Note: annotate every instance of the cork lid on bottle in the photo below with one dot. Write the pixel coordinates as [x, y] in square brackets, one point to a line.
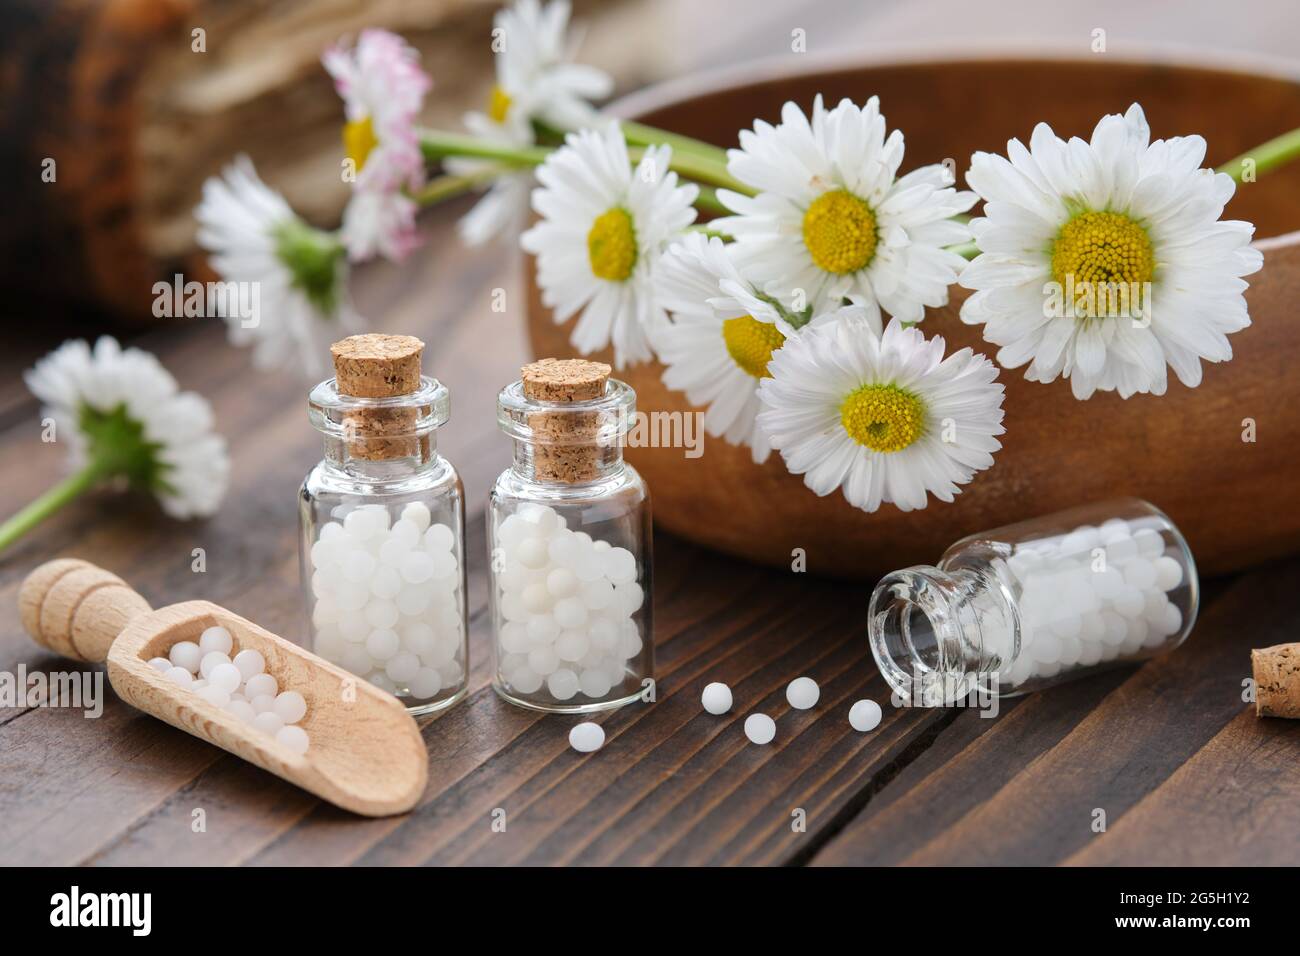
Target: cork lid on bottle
[570, 414]
[392, 415]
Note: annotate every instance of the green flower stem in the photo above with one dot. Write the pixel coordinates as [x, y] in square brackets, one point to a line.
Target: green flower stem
[438, 145]
[1276, 152]
[54, 499]
[443, 188]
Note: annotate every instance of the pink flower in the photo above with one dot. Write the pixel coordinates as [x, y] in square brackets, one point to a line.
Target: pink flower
[383, 90]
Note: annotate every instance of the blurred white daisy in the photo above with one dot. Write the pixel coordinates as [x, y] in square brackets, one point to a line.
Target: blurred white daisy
[299, 273]
[603, 229]
[721, 336]
[536, 80]
[1105, 261]
[536, 76]
[886, 418]
[830, 220]
[383, 89]
[123, 419]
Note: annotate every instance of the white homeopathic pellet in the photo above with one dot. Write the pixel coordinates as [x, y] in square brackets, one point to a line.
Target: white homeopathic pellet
[864, 715]
[587, 737]
[760, 728]
[716, 698]
[216, 639]
[803, 693]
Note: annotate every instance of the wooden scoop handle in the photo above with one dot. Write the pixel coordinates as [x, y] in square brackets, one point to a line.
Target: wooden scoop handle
[76, 609]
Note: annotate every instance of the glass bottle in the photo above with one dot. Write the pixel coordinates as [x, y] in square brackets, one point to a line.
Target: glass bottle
[382, 545]
[570, 540]
[1034, 604]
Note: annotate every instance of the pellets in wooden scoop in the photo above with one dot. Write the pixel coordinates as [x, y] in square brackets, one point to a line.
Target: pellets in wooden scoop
[240, 686]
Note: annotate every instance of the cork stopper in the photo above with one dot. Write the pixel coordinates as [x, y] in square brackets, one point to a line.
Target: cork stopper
[566, 446]
[1276, 671]
[380, 366]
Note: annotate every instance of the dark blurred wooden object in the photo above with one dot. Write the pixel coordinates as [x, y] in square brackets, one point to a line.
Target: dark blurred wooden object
[136, 113]
[1238, 502]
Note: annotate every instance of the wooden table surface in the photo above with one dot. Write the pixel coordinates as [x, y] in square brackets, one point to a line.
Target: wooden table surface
[1181, 767]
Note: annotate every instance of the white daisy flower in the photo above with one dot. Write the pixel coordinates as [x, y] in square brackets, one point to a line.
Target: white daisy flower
[536, 79]
[831, 221]
[887, 418]
[123, 419]
[603, 229]
[383, 89]
[1105, 261]
[536, 76]
[299, 273]
[720, 340]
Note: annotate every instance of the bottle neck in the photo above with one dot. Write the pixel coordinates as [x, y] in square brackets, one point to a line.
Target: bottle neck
[353, 459]
[938, 634]
[566, 464]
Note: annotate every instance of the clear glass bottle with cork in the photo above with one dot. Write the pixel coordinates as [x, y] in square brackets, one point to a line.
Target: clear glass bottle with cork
[1024, 607]
[382, 526]
[569, 539]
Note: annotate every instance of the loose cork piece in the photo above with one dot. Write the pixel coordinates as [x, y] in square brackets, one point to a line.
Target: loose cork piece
[566, 448]
[380, 366]
[1276, 671]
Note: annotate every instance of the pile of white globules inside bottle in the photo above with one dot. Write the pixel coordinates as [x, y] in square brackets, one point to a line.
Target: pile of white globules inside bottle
[388, 603]
[1022, 607]
[237, 684]
[568, 604]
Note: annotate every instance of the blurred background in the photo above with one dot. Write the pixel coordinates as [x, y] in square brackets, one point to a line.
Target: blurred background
[136, 116]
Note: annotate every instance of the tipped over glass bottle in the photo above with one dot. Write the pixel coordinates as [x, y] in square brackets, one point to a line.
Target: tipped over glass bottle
[382, 527]
[569, 539]
[1034, 604]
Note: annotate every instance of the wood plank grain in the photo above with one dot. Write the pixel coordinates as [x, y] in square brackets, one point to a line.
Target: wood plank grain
[1236, 803]
[1023, 790]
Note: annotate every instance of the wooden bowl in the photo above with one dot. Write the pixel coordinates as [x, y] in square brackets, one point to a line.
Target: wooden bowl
[1238, 502]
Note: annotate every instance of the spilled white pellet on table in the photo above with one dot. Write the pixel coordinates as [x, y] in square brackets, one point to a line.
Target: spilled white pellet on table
[587, 737]
[760, 728]
[864, 715]
[803, 693]
[716, 698]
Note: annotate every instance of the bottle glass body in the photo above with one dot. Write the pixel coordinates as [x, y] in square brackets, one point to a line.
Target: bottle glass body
[571, 566]
[382, 547]
[1036, 603]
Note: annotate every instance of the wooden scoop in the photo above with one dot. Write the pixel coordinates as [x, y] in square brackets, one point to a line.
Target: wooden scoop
[366, 754]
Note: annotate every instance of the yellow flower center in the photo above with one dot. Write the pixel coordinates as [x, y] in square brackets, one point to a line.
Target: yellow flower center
[750, 343]
[1097, 248]
[499, 105]
[358, 140]
[884, 418]
[839, 230]
[611, 245]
